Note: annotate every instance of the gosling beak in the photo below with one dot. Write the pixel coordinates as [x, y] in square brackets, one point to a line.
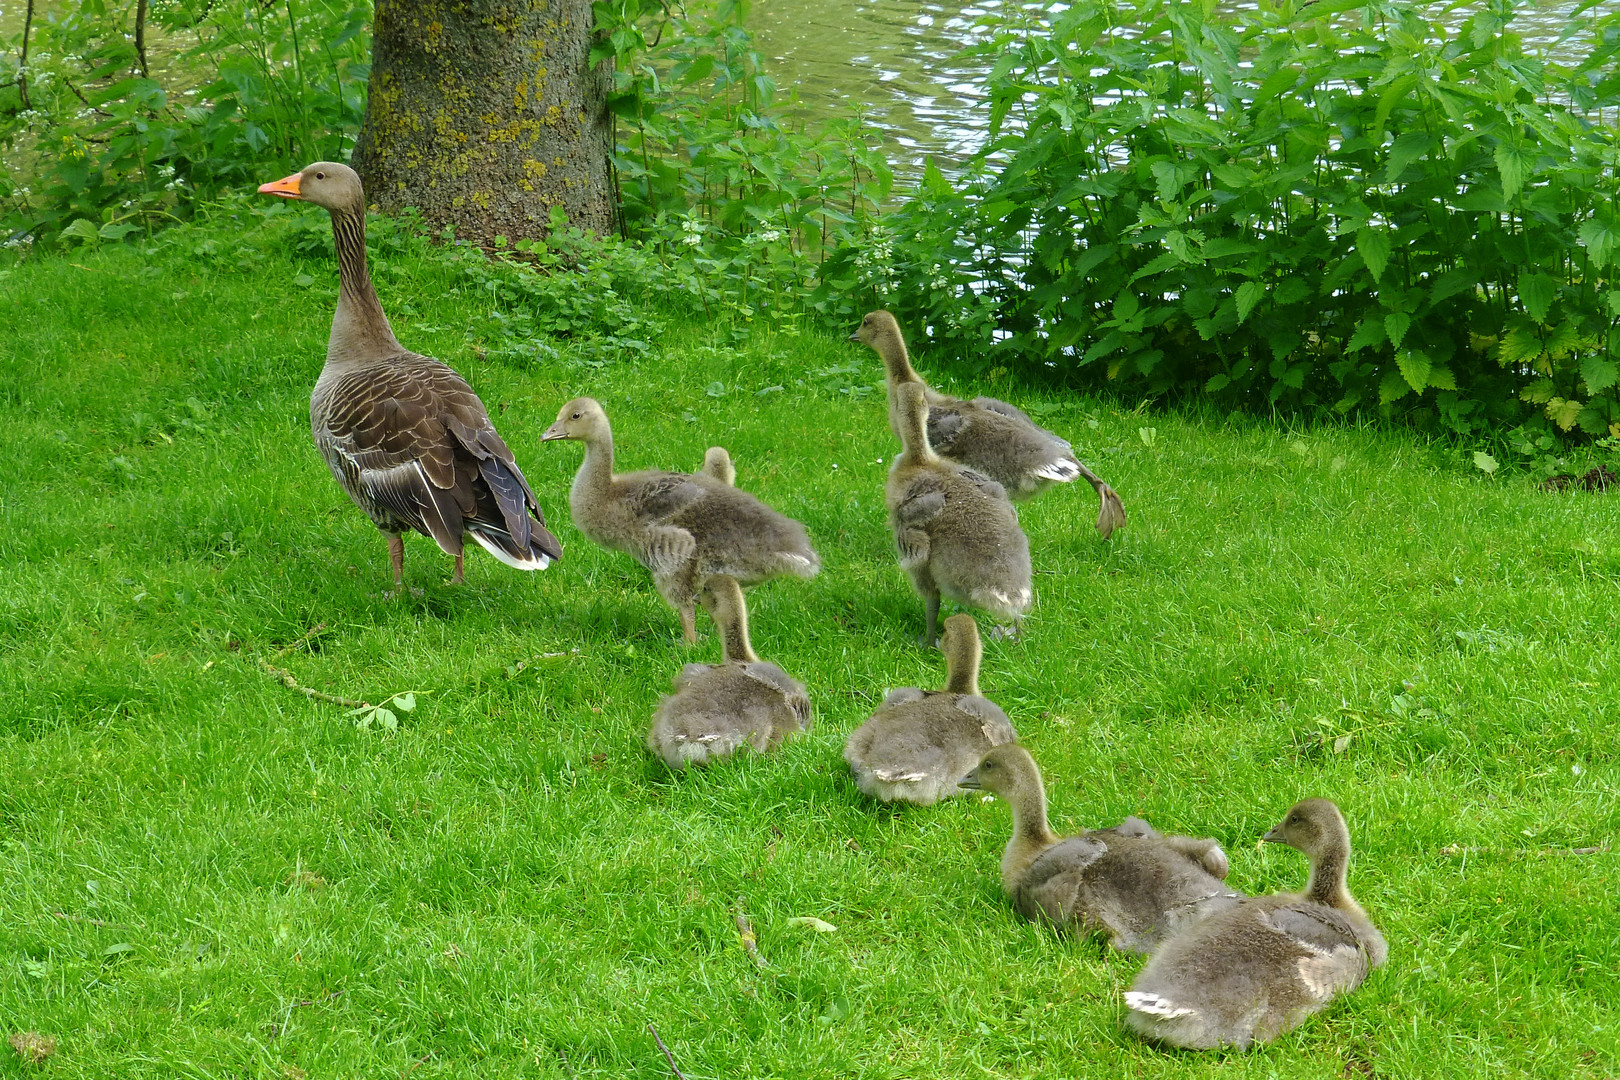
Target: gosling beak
[970, 781]
[855, 337]
[286, 187]
[1273, 836]
[553, 433]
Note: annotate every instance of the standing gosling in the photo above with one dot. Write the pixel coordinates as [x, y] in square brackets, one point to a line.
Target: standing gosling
[956, 533]
[919, 743]
[1259, 969]
[719, 708]
[684, 527]
[1129, 881]
[991, 436]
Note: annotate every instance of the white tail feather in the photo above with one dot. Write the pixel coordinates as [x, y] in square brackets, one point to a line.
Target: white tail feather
[1153, 1004]
[535, 562]
[1062, 470]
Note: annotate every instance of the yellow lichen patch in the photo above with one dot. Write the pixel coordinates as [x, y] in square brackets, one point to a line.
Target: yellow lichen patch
[482, 200]
[520, 94]
[433, 36]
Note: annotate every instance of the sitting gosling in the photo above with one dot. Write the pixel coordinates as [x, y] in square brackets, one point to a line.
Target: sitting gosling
[717, 709]
[919, 743]
[956, 533]
[991, 436]
[1259, 969]
[1129, 881]
[684, 527]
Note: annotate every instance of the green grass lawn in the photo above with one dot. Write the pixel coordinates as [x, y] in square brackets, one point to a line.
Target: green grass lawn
[204, 873]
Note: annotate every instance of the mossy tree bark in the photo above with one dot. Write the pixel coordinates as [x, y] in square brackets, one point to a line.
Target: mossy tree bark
[485, 114]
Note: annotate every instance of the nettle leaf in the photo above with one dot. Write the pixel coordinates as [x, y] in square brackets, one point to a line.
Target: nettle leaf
[1396, 323]
[1564, 412]
[1564, 339]
[1598, 373]
[1406, 149]
[1539, 392]
[1393, 387]
[1484, 462]
[1537, 292]
[1441, 377]
[1249, 294]
[1520, 345]
[1370, 333]
[1415, 366]
[1515, 165]
[1373, 246]
[1216, 384]
[1601, 242]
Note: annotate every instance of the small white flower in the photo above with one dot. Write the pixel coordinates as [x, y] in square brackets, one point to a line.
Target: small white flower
[770, 236]
[165, 171]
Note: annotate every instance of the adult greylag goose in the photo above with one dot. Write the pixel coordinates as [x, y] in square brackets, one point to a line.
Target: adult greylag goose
[1258, 969]
[956, 533]
[717, 709]
[1129, 882]
[404, 435]
[920, 743]
[985, 434]
[684, 527]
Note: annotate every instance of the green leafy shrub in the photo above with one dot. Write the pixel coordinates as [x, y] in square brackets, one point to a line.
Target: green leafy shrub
[104, 139]
[1341, 205]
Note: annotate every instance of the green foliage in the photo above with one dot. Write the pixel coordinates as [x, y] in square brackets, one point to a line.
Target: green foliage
[107, 140]
[1343, 206]
[711, 166]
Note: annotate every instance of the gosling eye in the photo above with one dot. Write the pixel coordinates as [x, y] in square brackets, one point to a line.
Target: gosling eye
[320, 176]
[576, 416]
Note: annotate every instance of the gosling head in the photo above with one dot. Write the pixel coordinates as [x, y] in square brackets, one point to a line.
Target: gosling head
[1313, 827]
[583, 418]
[1002, 771]
[877, 329]
[327, 184]
[717, 463]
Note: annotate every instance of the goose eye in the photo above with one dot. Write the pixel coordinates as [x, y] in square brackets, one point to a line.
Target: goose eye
[320, 176]
[576, 416]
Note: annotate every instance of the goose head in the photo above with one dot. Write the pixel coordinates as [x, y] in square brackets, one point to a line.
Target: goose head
[583, 419]
[878, 329]
[1314, 827]
[1007, 771]
[327, 184]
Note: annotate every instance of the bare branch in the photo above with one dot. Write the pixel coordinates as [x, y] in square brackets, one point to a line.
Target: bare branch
[669, 1057]
[286, 679]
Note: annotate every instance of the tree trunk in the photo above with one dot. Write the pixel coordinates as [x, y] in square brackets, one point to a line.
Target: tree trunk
[484, 114]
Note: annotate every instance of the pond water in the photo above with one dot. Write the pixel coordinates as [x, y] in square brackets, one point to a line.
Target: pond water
[895, 58]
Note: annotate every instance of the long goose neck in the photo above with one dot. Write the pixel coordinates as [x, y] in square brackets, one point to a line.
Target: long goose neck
[732, 615]
[596, 471]
[1329, 876]
[1030, 826]
[360, 330]
[913, 430]
[962, 670]
[891, 349]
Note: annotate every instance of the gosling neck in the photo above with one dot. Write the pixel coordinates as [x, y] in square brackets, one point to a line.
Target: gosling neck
[360, 330]
[891, 349]
[1032, 834]
[732, 615]
[912, 427]
[596, 471]
[1329, 876]
[962, 669]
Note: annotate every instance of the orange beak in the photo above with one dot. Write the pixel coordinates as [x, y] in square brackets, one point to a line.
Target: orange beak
[286, 187]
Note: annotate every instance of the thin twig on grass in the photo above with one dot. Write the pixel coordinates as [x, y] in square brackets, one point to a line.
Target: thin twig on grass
[1465, 850]
[567, 1067]
[516, 669]
[750, 943]
[303, 639]
[669, 1057]
[417, 1064]
[285, 678]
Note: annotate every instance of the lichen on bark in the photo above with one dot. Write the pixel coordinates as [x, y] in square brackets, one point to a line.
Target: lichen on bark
[486, 114]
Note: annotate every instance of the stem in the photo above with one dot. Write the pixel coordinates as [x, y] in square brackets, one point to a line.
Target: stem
[22, 61]
[140, 36]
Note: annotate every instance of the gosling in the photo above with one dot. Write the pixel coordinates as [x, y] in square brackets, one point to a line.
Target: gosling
[1130, 882]
[1260, 968]
[919, 743]
[718, 709]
